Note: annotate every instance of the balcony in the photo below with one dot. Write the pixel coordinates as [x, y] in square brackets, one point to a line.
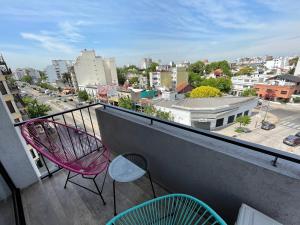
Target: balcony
[221, 171]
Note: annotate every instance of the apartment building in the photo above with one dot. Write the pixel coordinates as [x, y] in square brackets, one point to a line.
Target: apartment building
[279, 88]
[95, 70]
[240, 83]
[169, 79]
[145, 63]
[9, 92]
[57, 69]
[278, 63]
[297, 69]
[21, 72]
[13, 104]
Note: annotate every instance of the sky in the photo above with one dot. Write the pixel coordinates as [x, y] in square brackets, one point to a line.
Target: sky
[33, 32]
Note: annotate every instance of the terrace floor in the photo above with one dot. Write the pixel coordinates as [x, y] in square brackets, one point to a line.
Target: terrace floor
[47, 202]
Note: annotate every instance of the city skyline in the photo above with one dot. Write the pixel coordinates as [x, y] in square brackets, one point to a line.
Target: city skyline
[37, 32]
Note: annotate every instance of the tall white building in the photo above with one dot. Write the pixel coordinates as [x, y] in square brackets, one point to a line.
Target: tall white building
[243, 82]
[278, 63]
[57, 69]
[297, 69]
[95, 70]
[146, 62]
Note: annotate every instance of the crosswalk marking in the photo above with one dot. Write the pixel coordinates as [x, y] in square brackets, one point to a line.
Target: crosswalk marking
[290, 125]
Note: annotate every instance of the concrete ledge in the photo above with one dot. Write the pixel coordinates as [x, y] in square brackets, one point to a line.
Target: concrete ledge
[221, 174]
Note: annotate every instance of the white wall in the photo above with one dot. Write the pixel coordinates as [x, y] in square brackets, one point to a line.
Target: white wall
[179, 116]
[13, 155]
[94, 70]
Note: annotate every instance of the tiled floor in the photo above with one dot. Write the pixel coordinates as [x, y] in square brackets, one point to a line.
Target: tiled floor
[47, 202]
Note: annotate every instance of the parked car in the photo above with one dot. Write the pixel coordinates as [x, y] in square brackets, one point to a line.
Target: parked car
[297, 134]
[291, 140]
[265, 125]
[79, 104]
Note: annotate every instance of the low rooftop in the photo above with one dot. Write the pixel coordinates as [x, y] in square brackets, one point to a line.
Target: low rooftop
[203, 103]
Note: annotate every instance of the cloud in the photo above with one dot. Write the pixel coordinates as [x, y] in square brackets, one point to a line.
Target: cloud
[232, 14]
[71, 31]
[48, 42]
[62, 40]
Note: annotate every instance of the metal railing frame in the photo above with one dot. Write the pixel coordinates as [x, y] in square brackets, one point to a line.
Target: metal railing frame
[277, 154]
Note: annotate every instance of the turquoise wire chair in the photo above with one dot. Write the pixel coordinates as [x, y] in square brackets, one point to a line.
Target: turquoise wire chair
[173, 209]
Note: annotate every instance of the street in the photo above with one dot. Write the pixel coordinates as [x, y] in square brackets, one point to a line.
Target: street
[287, 120]
[59, 106]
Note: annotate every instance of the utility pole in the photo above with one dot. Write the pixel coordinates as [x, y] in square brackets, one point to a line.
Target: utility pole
[267, 111]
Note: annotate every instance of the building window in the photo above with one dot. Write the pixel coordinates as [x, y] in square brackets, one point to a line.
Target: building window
[283, 92]
[220, 122]
[246, 113]
[238, 115]
[2, 88]
[10, 107]
[230, 119]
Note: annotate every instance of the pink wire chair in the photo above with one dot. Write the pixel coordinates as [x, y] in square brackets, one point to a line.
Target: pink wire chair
[70, 148]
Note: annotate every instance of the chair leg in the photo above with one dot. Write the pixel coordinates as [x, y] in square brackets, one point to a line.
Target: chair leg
[154, 196]
[104, 180]
[67, 179]
[104, 203]
[114, 193]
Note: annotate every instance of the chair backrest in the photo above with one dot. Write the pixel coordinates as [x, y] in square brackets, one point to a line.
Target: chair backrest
[173, 209]
[59, 142]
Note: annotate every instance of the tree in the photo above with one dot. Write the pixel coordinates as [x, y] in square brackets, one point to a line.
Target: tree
[243, 120]
[47, 86]
[66, 78]
[291, 71]
[205, 92]
[249, 92]
[83, 95]
[293, 61]
[43, 76]
[223, 65]
[27, 78]
[34, 108]
[223, 84]
[163, 115]
[121, 76]
[195, 79]
[247, 70]
[152, 67]
[134, 80]
[151, 111]
[126, 102]
[197, 67]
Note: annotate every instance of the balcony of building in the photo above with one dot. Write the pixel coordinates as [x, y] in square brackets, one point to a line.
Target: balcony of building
[221, 171]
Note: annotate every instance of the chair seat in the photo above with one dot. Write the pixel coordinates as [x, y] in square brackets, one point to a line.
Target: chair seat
[91, 164]
[123, 170]
[67, 146]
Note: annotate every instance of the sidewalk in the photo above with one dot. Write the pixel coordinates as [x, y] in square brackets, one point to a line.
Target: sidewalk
[256, 118]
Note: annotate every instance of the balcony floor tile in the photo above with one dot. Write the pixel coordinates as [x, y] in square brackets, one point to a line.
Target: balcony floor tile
[47, 202]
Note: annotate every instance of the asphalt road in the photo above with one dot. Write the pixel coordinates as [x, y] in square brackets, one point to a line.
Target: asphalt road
[288, 124]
